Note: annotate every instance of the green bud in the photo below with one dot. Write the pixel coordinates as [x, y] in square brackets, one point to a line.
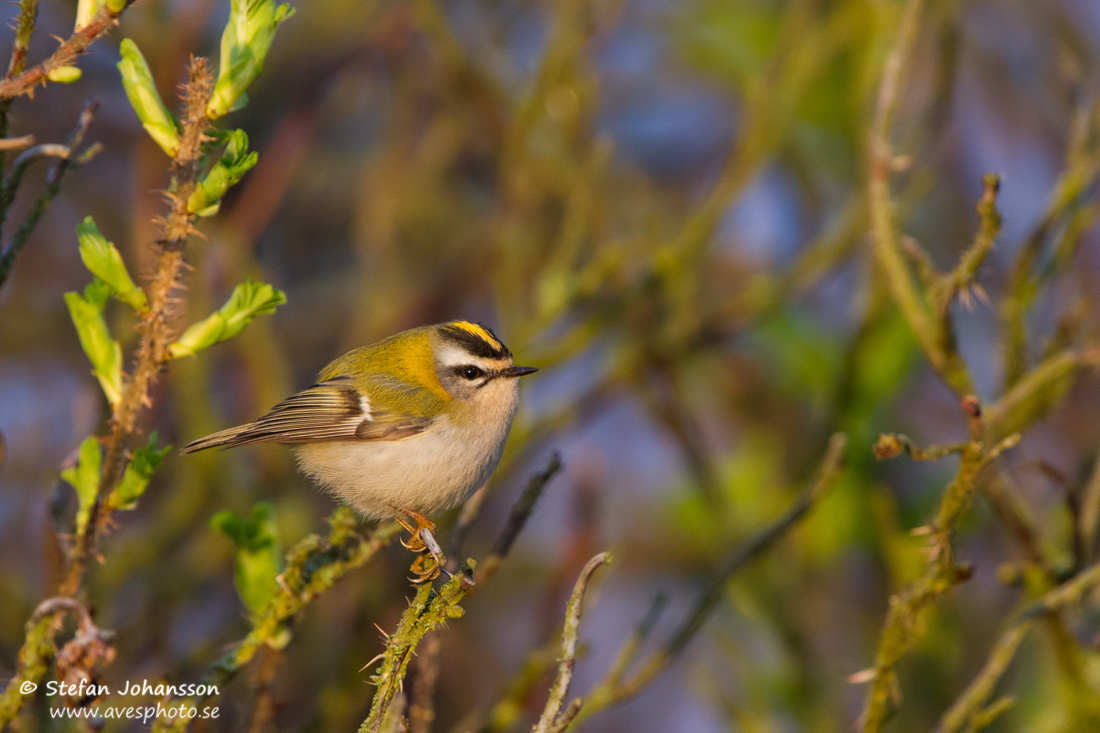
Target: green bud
[105, 262]
[249, 299]
[245, 42]
[102, 351]
[85, 11]
[84, 477]
[259, 557]
[233, 164]
[64, 74]
[137, 475]
[137, 80]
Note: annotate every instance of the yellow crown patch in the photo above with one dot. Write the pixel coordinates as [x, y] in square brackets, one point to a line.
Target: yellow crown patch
[481, 332]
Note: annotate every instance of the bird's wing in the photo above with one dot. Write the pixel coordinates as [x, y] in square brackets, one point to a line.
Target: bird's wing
[329, 410]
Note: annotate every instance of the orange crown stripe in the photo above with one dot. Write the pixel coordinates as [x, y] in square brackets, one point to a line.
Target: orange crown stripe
[480, 332]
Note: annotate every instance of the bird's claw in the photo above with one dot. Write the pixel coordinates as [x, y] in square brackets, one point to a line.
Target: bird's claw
[431, 562]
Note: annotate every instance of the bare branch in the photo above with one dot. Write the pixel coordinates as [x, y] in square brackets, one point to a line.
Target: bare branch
[552, 719]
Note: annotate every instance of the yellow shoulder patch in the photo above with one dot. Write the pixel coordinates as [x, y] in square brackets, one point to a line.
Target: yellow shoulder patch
[480, 332]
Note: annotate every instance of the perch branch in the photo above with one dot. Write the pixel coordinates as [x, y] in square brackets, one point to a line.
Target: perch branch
[313, 566]
[427, 611]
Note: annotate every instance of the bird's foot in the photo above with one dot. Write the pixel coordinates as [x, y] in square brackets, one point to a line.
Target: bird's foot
[431, 562]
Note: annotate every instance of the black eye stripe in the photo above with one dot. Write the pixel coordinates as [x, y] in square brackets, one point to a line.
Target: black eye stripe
[469, 371]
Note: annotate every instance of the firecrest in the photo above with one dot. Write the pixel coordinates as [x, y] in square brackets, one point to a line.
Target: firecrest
[403, 428]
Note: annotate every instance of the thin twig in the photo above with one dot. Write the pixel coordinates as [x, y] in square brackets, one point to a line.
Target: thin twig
[970, 703]
[551, 719]
[16, 143]
[1037, 392]
[517, 518]
[67, 160]
[24, 29]
[935, 340]
[960, 280]
[64, 55]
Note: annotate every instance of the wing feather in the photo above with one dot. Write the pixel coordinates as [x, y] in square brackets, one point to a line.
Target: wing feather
[329, 410]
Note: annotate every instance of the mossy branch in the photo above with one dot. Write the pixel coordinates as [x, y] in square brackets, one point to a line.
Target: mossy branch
[936, 340]
[313, 565]
[39, 648]
[428, 610]
[970, 710]
[553, 718]
[904, 625]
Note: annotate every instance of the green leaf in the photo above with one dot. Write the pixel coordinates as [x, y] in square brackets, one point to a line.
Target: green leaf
[259, 556]
[105, 262]
[245, 42]
[137, 80]
[233, 164]
[64, 74]
[102, 351]
[85, 11]
[84, 477]
[137, 475]
[249, 299]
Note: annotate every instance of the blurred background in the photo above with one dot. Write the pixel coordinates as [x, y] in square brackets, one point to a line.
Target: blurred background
[662, 205]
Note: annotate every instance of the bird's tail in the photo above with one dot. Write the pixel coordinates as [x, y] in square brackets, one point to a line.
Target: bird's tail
[228, 438]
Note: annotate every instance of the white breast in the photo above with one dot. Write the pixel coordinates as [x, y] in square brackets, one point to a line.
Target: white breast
[427, 473]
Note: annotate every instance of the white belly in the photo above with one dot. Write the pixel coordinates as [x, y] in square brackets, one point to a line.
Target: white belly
[427, 473]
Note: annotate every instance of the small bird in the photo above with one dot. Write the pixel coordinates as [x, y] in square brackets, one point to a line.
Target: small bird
[403, 428]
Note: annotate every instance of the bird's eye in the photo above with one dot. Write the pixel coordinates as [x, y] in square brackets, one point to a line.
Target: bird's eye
[471, 372]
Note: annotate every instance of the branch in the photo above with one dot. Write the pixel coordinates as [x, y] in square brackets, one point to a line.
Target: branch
[39, 647]
[312, 567]
[421, 708]
[68, 160]
[427, 611]
[960, 280]
[517, 518]
[1038, 391]
[971, 703]
[155, 327]
[935, 340]
[908, 607]
[552, 719]
[64, 55]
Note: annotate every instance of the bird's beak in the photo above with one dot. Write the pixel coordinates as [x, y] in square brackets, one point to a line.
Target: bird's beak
[517, 371]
